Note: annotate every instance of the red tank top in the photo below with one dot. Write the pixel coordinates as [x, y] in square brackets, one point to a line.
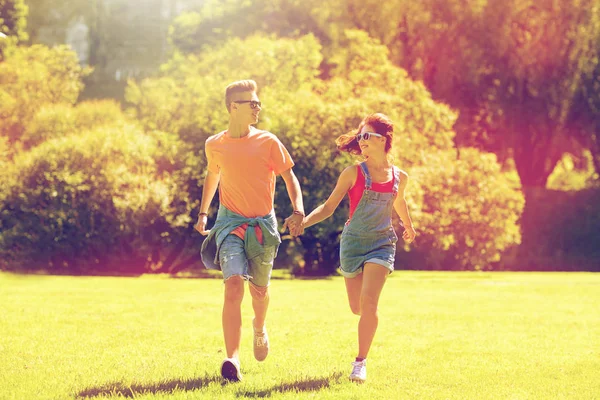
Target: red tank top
[356, 191]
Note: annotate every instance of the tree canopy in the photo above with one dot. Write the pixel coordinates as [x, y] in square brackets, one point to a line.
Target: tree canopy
[13, 23]
[493, 102]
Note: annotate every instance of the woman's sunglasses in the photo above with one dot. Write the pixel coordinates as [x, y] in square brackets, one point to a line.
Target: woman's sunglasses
[366, 136]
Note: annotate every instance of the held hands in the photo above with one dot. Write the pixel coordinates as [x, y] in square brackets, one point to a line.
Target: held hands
[409, 234]
[201, 225]
[295, 224]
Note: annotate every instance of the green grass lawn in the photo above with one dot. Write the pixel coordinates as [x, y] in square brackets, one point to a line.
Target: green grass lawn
[441, 335]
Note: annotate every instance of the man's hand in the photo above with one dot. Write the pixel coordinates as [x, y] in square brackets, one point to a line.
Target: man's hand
[201, 225]
[295, 224]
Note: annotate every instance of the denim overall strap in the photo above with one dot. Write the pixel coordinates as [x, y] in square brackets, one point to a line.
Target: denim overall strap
[372, 216]
[363, 166]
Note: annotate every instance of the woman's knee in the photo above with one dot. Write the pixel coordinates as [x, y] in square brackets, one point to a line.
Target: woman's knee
[368, 304]
[355, 307]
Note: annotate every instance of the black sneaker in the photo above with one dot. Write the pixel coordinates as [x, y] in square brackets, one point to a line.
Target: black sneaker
[230, 370]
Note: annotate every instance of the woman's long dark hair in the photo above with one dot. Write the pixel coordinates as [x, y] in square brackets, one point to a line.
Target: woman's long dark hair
[380, 123]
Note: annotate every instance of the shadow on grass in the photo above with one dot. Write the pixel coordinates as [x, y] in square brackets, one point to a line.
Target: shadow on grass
[308, 385]
[277, 274]
[119, 389]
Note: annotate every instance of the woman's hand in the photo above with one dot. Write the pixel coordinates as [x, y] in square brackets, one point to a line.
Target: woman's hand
[295, 224]
[409, 234]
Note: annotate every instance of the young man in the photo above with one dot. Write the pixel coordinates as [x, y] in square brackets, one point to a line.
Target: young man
[243, 163]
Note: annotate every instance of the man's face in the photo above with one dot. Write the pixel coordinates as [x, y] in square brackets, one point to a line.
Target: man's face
[245, 107]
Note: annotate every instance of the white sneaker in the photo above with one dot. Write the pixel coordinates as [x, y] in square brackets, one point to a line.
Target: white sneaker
[261, 344]
[359, 371]
[230, 370]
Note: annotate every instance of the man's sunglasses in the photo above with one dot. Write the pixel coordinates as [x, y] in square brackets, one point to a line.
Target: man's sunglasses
[253, 104]
[366, 136]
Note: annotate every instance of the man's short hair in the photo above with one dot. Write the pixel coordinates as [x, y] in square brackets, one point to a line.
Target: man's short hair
[247, 85]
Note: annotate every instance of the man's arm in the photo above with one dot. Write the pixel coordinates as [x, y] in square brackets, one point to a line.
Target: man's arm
[294, 221]
[211, 183]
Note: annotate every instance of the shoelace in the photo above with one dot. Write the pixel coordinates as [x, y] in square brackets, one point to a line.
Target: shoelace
[358, 365]
[261, 341]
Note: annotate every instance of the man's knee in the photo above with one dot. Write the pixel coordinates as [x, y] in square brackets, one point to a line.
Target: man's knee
[234, 289]
[259, 292]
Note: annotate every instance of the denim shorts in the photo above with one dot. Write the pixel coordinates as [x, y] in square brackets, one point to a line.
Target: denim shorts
[233, 261]
[357, 249]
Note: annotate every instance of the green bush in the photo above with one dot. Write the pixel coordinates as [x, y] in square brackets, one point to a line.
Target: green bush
[466, 210]
[59, 120]
[101, 200]
[33, 77]
[563, 231]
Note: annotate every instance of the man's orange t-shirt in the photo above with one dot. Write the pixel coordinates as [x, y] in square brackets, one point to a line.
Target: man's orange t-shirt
[248, 167]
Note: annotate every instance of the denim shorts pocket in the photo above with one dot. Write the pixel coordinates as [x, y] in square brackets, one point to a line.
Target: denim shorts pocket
[261, 267]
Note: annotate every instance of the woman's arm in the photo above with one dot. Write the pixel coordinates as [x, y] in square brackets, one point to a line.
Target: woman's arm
[325, 210]
[402, 209]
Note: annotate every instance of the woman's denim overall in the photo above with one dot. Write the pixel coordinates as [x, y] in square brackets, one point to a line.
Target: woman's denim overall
[369, 236]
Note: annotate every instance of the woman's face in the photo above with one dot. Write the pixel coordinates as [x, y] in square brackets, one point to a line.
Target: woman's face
[370, 142]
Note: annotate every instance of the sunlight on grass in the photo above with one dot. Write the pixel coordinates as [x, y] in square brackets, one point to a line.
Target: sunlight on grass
[441, 335]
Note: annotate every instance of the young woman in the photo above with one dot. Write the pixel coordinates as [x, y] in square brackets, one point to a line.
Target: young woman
[368, 243]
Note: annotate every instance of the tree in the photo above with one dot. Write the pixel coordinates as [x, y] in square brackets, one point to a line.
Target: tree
[586, 113]
[307, 113]
[218, 20]
[188, 99]
[465, 208]
[522, 74]
[101, 200]
[511, 68]
[13, 21]
[33, 77]
[53, 14]
[539, 56]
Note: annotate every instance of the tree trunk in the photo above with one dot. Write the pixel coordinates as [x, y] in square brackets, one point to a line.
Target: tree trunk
[536, 152]
[97, 35]
[530, 254]
[594, 146]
